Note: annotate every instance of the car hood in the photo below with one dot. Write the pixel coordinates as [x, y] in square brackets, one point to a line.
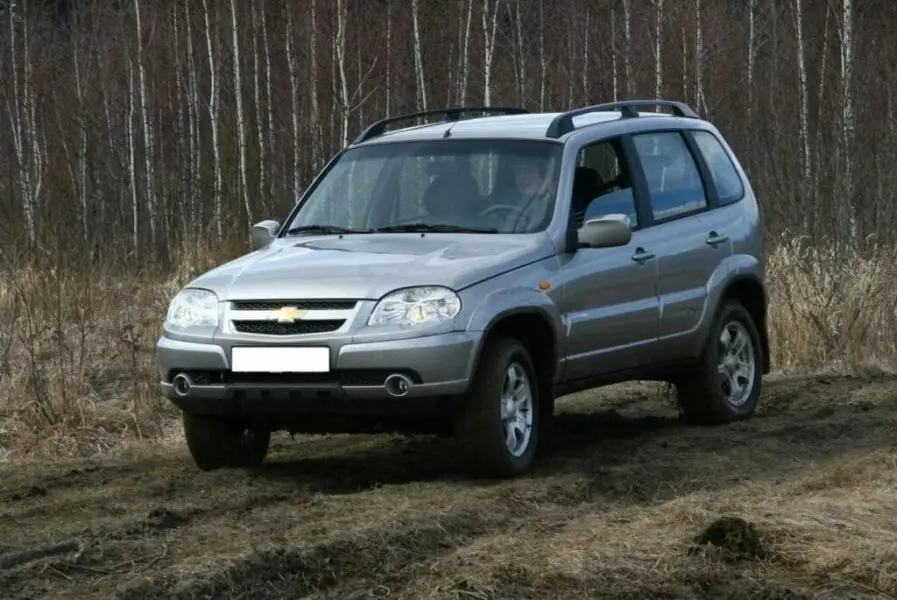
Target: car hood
[362, 266]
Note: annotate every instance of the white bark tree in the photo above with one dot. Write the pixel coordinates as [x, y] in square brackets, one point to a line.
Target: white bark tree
[490, 26]
[148, 143]
[214, 97]
[241, 123]
[418, 57]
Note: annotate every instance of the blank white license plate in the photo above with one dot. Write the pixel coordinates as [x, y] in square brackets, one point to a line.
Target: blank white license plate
[280, 360]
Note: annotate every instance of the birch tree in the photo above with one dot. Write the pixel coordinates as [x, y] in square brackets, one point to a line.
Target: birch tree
[418, 57]
[803, 121]
[294, 97]
[23, 122]
[490, 25]
[658, 49]
[214, 95]
[148, 145]
[241, 124]
[847, 125]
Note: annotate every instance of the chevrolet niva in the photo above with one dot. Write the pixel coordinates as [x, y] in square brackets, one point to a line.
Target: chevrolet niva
[455, 277]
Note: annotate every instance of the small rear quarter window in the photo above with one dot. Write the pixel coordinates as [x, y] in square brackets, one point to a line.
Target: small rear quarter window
[729, 187]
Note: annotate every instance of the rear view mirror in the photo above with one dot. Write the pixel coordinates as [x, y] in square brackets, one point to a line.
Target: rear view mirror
[605, 232]
[263, 233]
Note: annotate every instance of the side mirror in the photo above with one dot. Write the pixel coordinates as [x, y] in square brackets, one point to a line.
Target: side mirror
[263, 232]
[605, 232]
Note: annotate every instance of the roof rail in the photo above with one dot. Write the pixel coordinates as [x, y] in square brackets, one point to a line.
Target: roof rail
[450, 114]
[563, 123]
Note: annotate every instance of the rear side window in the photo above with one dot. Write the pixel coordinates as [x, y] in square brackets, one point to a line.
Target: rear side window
[729, 187]
[674, 181]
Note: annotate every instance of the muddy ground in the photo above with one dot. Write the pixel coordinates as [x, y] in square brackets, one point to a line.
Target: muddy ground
[800, 502]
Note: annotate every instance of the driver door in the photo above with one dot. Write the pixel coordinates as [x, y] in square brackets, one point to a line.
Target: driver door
[610, 301]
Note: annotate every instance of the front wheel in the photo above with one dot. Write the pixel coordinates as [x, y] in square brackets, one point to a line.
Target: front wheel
[215, 443]
[499, 422]
[726, 384]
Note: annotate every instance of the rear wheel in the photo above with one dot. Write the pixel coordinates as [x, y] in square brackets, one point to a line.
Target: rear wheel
[216, 443]
[726, 384]
[499, 423]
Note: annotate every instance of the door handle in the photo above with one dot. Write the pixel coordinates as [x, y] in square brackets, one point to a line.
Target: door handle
[715, 239]
[642, 256]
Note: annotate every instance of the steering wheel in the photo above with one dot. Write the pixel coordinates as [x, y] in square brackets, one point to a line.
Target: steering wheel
[514, 210]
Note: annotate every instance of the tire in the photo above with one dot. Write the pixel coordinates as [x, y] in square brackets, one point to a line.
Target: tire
[216, 443]
[703, 394]
[479, 426]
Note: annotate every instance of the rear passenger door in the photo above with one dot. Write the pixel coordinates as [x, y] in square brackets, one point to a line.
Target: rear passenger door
[685, 237]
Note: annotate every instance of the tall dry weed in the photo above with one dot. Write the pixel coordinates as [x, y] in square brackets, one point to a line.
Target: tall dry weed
[77, 339]
[831, 307]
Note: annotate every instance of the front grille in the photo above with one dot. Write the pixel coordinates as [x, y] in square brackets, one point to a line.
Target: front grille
[300, 304]
[297, 328]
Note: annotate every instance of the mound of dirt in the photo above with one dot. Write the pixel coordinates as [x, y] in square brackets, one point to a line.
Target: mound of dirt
[734, 537]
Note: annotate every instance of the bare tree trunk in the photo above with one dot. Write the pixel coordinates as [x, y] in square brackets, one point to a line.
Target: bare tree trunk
[627, 51]
[254, 8]
[132, 160]
[294, 98]
[418, 58]
[820, 98]
[241, 123]
[521, 55]
[543, 59]
[847, 124]
[22, 117]
[465, 55]
[490, 17]
[388, 58]
[342, 17]
[81, 81]
[181, 98]
[213, 116]
[751, 56]
[195, 119]
[317, 141]
[585, 58]
[700, 101]
[803, 130]
[613, 54]
[658, 49]
[148, 145]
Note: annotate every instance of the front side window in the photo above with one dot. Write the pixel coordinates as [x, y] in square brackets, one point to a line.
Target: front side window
[674, 182]
[495, 186]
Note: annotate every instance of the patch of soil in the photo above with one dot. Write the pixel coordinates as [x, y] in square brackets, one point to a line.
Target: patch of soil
[735, 537]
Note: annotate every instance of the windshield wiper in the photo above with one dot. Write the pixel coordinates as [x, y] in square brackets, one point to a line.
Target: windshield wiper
[325, 229]
[434, 228]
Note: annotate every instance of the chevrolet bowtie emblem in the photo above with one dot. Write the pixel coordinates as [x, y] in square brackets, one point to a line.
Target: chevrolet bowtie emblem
[290, 314]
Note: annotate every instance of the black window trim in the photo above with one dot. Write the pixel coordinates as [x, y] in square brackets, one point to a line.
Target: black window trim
[643, 197]
[696, 150]
[622, 152]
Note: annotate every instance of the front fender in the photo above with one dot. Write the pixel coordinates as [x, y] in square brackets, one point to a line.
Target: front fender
[506, 302]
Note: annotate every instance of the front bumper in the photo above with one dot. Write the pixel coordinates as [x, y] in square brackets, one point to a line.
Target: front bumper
[440, 367]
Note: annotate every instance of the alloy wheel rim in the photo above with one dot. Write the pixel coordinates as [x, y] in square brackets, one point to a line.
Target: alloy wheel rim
[737, 364]
[516, 409]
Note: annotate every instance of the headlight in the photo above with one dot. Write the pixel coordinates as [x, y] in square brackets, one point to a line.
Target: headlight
[416, 306]
[193, 307]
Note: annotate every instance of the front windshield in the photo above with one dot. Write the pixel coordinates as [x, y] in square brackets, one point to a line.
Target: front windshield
[489, 186]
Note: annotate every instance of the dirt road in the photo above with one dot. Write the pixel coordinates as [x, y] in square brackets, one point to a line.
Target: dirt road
[613, 511]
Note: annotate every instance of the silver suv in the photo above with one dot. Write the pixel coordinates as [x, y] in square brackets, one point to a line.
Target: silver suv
[456, 277]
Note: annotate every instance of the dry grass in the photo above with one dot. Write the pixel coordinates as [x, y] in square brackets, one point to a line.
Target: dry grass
[76, 344]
